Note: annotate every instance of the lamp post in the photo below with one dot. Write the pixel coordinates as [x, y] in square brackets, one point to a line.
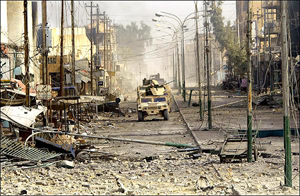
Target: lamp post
[181, 23]
[175, 30]
[165, 63]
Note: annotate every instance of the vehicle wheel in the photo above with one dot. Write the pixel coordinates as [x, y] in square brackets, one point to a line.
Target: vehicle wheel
[82, 156]
[140, 116]
[166, 115]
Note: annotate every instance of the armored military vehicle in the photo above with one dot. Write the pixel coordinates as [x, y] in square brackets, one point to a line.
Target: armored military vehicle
[153, 99]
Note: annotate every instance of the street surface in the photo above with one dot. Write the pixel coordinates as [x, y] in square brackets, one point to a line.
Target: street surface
[143, 169]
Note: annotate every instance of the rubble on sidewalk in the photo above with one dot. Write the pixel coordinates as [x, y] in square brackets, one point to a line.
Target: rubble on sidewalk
[66, 164]
[267, 100]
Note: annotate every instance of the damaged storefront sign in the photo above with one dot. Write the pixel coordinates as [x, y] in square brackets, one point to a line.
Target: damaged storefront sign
[43, 92]
[20, 115]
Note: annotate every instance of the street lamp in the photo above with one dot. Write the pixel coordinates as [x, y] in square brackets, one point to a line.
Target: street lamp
[176, 73]
[158, 15]
[166, 22]
[181, 23]
[170, 44]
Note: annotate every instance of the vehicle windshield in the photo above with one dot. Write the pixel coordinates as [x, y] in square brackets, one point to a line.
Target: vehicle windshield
[160, 99]
[145, 100]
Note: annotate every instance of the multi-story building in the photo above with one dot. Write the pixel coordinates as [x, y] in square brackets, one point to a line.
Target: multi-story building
[265, 39]
[103, 53]
[12, 39]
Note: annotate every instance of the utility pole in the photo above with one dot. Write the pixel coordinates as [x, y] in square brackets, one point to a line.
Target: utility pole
[62, 50]
[110, 56]
[26, 60]
[249, 75]
[286, 97]
[178, 65]
[183, 64]
[271, 64]
[44, 21]
[107, 39]
[73, 43]
[45, 52]
[204, 67]
[258, 41]
[211, 62]
[110, 46]
[174, 68]
[97, 59]
[91, 40]
[104, 45]
[198, 63]
[265, 47]
[97, 48]
[207, 50]
[92, 35]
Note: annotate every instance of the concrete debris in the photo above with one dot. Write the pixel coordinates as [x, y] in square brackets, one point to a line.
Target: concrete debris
[203, 184]
[104, 164]
[269, 100]
[66, 164]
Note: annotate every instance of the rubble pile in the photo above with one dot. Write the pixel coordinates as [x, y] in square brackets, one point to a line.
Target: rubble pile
[175, 173]
[98, 159]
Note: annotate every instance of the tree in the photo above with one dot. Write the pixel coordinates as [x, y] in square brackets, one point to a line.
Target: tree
[132, 40]
[225, 35]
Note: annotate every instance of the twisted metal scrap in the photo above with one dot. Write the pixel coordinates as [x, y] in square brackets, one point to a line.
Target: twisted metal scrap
[16, 149]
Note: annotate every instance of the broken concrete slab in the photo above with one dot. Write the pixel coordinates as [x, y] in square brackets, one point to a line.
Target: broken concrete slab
[203, 184]
[66, 164]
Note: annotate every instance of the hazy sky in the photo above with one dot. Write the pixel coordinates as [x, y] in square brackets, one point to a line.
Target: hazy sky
[129, 11]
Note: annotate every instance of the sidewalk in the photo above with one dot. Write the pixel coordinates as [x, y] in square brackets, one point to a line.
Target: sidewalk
[260, 177]
[232, 117]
